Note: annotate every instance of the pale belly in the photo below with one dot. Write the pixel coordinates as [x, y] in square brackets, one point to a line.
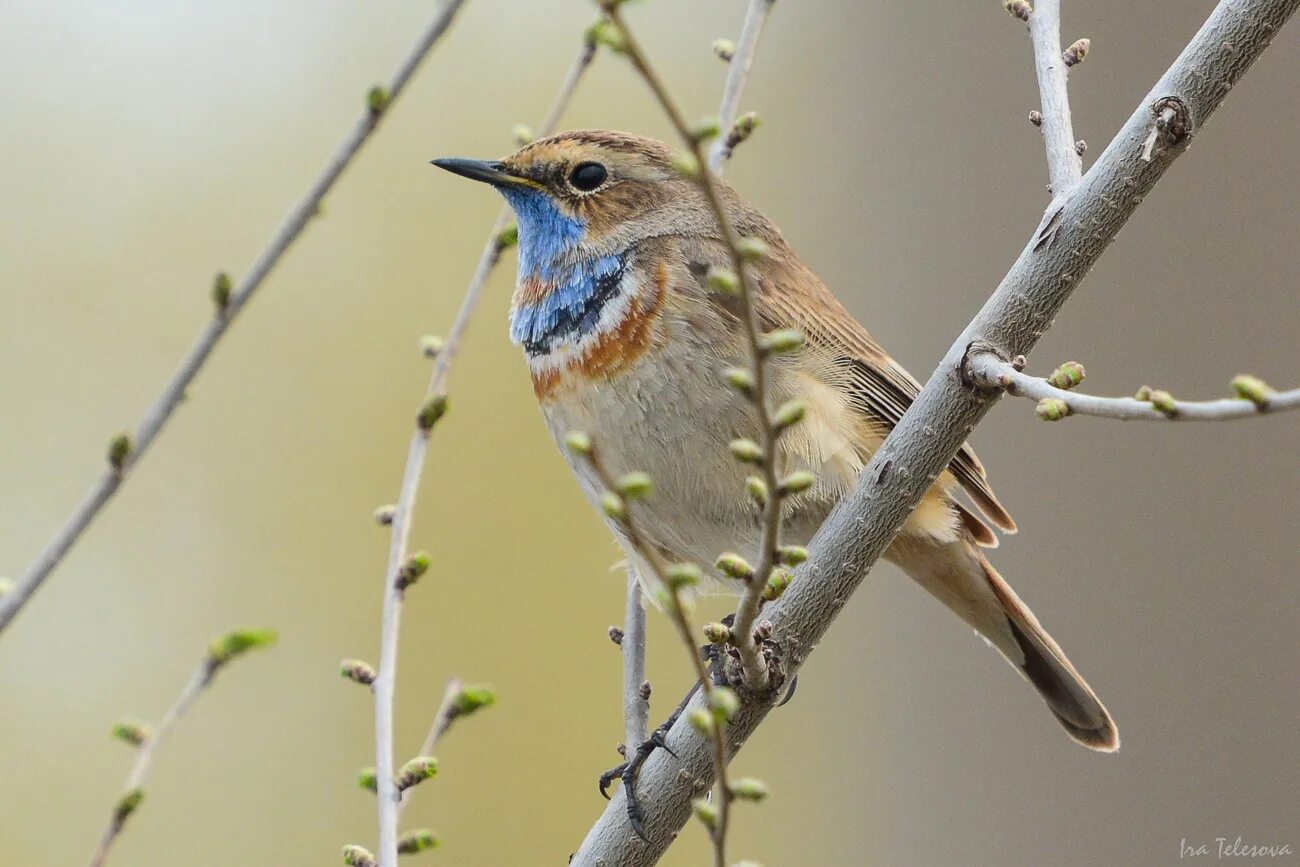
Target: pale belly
[672, 417]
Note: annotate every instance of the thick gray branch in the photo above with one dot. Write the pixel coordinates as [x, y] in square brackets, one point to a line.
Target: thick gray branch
[1071, 238]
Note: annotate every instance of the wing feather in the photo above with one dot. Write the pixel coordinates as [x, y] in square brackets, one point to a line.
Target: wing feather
[789, 295]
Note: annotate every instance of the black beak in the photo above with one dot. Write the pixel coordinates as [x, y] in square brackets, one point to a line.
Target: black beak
[487, 171]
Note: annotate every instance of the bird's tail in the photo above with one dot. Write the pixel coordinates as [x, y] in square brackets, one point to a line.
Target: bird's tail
[960, 577]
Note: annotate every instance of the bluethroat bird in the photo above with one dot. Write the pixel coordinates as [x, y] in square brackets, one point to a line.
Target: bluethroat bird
[626, 341]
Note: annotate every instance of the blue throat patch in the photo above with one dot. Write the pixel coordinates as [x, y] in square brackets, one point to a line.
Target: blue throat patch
[578, 292]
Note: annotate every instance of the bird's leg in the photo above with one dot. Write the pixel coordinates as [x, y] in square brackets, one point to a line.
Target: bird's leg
[627, 771]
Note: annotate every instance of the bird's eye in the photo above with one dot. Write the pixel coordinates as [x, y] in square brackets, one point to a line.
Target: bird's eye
[587, 176]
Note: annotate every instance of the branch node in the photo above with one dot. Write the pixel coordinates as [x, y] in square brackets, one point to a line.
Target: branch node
[1171, 124]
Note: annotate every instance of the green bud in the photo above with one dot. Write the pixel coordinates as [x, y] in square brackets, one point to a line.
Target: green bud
[722, 280]
[635, 486]
[433, 409]
[508, 237]
[746, 451]
[1252, 388]
[413, 842]
[613, 506]
[384, 515]
[752, 249]
[377, 99]
[682, 575]
[717, 633]
[366, 779]
[1067, 376]
[471, 698]
[790, 413]
[724, 48]
[1163, 401]
[6, 584]
[757, 489]
[743, 128]
[705, 812]
[358, 671]
[416, 771]
[237, 643]
[1143, 393]
[126, 805]
[413, 569]
[685, 164]
[356, 856]
[734, 566]
[1051, 409]
[796, 483]
[782, 342]
[777, 583]
[221, 289]
[119, 449]
[749, 789]
[701, 720]
[431, 345]
[131, 731]
[522, 133]
[724, 703]
[792, 555]
[741, 379]
[707, 129]
[578, 442]
[605, 33]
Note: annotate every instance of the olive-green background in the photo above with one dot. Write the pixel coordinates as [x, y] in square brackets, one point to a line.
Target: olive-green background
[147, 145]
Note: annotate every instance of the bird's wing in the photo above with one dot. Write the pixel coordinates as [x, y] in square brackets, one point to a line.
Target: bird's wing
[789, 295]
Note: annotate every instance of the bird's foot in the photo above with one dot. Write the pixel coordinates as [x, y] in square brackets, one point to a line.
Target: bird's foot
[628, 770]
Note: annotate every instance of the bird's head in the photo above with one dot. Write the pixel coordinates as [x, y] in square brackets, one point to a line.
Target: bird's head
[589, 193]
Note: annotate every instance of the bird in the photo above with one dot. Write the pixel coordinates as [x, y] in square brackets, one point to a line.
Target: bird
[626, 340]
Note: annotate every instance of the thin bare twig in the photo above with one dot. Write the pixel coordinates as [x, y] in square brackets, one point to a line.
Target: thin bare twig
[219, 655]
[635, 708]
[156, 417]
[1063, 163]
[636, 705]
[458, 700]
[388, 796]
[989, 371]
[737, 78]
[621, 512]
[754, 672]
[940, 420]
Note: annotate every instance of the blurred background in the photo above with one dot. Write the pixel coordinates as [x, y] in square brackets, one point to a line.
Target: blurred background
[148, 145]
